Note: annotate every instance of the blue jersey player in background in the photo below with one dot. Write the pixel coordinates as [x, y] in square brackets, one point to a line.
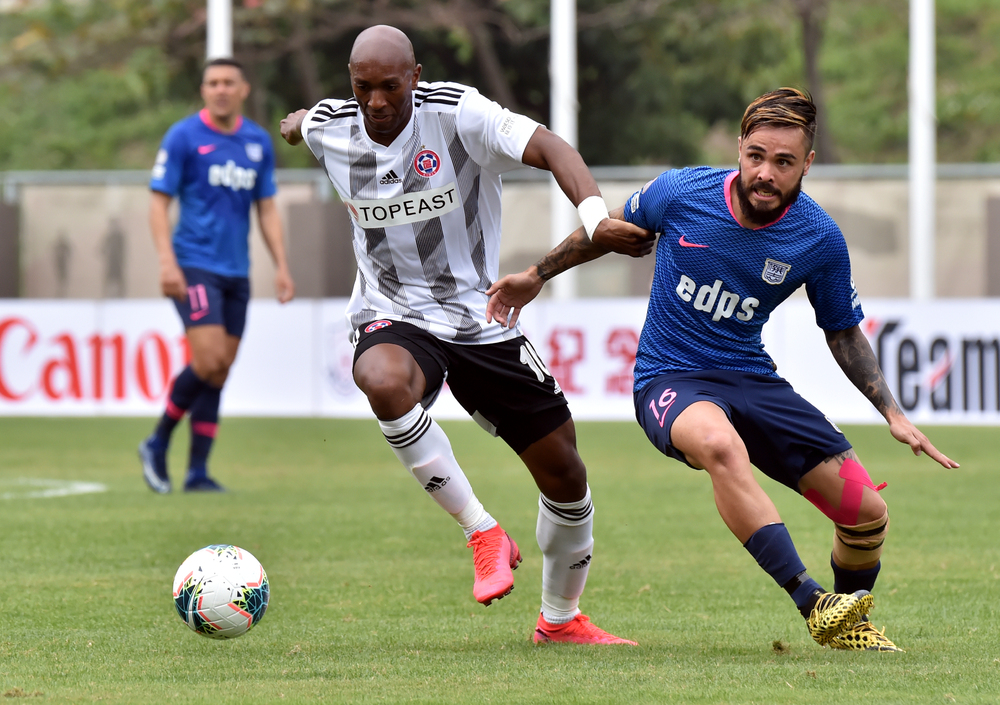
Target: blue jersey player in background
[217, 164]
[732, 246]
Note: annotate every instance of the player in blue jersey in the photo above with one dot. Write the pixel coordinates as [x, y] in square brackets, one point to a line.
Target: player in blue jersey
[732, 246]
[217, 164]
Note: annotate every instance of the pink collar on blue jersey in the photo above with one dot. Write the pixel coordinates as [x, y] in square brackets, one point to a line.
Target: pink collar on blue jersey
[207, 119]
[727, 189]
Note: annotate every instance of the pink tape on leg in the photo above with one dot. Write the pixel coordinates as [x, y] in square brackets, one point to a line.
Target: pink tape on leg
[850, 501]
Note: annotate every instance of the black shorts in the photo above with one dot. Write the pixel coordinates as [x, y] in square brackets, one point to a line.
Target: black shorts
[214, 299]
[504, 386]
[784, 434]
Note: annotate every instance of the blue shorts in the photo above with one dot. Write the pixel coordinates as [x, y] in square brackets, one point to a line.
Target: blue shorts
[785, 435]
[214, 299]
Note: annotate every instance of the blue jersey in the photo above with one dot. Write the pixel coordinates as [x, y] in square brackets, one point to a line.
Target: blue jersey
[716, 282]
[215, 176]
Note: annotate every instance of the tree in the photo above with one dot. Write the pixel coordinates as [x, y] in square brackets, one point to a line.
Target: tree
[96, 84]
[812, 14]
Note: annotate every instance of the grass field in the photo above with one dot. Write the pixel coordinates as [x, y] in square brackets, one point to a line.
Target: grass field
[371, 583]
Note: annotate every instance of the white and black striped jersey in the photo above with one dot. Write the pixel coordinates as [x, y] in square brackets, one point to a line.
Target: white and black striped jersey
[425, 209]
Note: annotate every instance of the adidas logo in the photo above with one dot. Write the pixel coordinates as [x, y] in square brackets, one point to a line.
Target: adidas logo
[581, 564]
[437, 483]
[390, 178]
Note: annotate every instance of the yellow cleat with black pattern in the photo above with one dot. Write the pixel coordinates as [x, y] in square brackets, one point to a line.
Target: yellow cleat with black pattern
[836, 613]
[863, 636]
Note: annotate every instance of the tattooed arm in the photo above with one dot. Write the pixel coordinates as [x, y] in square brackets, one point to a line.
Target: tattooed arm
[854, 354]
[514, 291]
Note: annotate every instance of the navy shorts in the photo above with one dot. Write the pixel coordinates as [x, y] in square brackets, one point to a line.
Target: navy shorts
[213, 299]
[785, 435]
[504, 386]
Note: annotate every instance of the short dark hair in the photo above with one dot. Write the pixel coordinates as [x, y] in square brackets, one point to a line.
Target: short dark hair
[224, 61]
[785, 107]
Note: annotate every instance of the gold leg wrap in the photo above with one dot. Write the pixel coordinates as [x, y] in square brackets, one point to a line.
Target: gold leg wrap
[861, 544]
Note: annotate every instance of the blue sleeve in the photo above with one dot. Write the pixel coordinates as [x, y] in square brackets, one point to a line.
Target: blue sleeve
[831, 289]
[169, 167]
[265, 186]
[647, 205]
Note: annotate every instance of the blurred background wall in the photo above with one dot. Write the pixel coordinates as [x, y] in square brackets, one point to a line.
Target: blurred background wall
[85, 234]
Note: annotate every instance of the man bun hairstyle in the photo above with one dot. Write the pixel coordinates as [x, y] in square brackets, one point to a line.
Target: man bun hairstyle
[785, 107]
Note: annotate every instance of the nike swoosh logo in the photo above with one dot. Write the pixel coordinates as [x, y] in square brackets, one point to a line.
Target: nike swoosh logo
[206, 148]
[198, 315]
[684, 243]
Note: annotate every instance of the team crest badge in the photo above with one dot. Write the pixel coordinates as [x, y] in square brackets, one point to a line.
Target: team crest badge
[377, 325]
[426, 163]
[774, 271]
[255, 151]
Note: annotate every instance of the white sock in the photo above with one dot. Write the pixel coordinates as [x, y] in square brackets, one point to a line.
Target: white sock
[565, 533]
[474, 518]
[424, 449]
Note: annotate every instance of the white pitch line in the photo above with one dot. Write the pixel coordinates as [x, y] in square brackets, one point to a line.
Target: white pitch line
[49, 488]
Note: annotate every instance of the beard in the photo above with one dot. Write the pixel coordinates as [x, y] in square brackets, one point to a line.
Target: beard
[765, 216]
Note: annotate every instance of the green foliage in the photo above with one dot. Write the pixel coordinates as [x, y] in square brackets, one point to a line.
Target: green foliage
[968, 81]
[865, 61]
[100, 119]
[371, 583]
[95, 84]
[672, 78]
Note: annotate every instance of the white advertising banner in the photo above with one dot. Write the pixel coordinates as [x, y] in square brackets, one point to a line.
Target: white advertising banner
[941, 359]
[84, 358]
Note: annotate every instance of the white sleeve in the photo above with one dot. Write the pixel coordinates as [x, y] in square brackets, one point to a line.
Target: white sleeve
[319, 114]
[494, 136]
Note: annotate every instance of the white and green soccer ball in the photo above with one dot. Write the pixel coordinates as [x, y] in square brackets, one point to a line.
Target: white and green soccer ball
[221, 591]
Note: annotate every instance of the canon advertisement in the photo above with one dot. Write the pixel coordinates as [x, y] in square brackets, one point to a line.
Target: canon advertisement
[941, 359]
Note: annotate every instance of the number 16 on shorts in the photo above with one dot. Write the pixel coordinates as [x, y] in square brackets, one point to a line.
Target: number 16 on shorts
[660, 406]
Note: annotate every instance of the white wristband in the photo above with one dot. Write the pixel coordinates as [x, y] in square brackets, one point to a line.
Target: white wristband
[592, 211]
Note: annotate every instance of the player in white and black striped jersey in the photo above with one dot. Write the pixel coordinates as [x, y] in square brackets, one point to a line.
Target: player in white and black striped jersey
[418, 167]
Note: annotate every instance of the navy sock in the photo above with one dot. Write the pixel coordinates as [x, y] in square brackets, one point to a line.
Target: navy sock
[204, 424]
[849, 581]
[185, 389]
[772, 548]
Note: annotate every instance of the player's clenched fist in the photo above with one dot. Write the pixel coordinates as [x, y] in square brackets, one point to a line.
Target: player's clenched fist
[291, 127]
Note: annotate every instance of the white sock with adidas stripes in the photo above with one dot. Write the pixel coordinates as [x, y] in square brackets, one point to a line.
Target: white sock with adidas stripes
[565, 533]
[424, 449]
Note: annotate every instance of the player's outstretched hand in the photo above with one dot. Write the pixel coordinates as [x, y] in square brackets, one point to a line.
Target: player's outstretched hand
[284, 287]
[291, 127]
[614, 235]
[905, 432]
[510, 294]
[172, 282]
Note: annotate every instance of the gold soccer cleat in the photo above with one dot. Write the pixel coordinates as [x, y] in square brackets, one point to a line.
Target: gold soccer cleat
[836, 613]
[863, 636]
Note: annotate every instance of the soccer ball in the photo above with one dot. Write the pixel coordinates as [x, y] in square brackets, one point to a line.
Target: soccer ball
[221, 591]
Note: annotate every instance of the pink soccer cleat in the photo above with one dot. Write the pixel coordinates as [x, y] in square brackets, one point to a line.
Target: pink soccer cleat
[579, 630]
[495, 555]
